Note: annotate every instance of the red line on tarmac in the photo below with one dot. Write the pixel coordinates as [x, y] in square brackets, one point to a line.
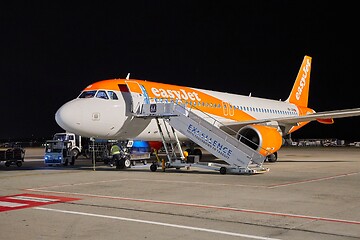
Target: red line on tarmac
[277, 214]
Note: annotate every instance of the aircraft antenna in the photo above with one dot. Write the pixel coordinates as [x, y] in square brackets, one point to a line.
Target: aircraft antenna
[128, 76]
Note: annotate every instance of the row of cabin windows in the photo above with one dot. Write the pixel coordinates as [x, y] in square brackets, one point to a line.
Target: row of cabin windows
[99, 94]
[112, 95]
[242, 108]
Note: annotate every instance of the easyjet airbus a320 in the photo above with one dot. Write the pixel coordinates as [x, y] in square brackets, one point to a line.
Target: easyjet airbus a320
[105, 110]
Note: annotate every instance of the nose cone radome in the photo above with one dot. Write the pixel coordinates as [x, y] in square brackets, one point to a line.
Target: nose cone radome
[68, 116]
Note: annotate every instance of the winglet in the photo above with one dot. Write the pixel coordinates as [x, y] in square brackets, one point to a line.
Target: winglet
[300, 92]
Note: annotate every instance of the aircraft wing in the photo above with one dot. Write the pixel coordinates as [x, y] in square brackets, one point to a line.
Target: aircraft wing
[323, 117]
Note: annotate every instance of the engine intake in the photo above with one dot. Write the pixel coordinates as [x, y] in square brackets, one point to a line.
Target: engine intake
[266, 140]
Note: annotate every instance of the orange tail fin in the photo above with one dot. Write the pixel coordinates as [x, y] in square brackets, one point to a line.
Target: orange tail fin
[300, 92]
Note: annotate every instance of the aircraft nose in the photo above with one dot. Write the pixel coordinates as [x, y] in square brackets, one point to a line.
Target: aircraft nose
[68, 116]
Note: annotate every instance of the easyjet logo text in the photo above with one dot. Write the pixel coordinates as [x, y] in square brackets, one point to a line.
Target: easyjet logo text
[178, 94]
[303, 80]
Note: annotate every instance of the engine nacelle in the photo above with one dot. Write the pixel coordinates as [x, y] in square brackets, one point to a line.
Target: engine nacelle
[266, 140]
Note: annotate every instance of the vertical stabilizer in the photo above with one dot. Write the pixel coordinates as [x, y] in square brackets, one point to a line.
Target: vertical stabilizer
[300, 92]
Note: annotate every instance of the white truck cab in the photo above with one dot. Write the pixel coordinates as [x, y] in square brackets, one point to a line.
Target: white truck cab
[76, 147]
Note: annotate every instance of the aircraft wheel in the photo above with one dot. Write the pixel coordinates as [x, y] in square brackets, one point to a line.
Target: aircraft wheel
[19, 163]
[144, 162]
[272, 157]
[223, 170]
[133, 163]
[153, 167]
[7, 164]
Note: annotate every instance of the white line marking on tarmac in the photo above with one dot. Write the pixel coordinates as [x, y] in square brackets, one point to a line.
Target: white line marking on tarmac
[160, 224]
[313, 180]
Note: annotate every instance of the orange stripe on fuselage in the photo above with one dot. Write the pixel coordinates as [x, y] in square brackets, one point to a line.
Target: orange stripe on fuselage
[111, 84]
[192, 97]
[189, 96]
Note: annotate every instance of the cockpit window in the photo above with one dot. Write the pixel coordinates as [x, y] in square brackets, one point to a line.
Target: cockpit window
[112, 95]
[102, 94]
[87, 94]
[99, 94]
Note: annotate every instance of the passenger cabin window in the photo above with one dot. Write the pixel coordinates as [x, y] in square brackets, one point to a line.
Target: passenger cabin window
[102, 94]
[87, 94]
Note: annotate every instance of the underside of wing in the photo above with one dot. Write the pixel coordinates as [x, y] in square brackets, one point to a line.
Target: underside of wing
[322, 117]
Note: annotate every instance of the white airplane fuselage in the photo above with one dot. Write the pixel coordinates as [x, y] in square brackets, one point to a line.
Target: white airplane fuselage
[112, 119]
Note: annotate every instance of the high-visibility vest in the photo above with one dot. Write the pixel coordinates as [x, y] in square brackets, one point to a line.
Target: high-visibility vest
[115, 149]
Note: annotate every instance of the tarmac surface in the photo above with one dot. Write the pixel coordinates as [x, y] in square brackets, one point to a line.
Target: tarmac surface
[309, 193]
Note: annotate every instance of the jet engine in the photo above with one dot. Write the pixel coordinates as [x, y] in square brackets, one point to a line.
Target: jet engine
[264, 139]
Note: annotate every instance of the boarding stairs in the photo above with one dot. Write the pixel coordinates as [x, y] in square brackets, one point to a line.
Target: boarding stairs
[239, 157]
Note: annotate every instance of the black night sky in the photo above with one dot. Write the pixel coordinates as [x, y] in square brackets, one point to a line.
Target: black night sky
[51, 50]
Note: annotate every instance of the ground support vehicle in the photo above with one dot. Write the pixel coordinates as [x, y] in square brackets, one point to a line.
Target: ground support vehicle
[139, 151]
[58, 152]
[76, 142]
[133, 152]
[99, 150]
[123, 161]
[13, 155]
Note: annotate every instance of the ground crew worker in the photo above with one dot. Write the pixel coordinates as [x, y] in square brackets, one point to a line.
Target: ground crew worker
[186, 154]
[115, 153]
